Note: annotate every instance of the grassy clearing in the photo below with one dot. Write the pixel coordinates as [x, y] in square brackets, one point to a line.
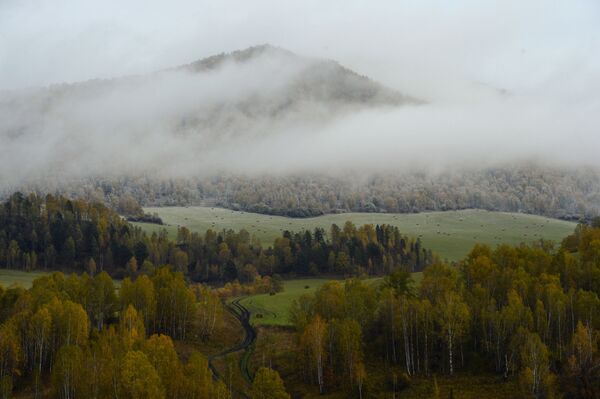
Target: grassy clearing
[24, 279]
[273, 310]
[449, 234]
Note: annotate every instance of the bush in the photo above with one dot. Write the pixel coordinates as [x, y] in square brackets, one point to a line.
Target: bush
[398, 381]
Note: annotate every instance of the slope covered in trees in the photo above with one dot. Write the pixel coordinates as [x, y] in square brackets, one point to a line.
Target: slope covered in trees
[536, 189]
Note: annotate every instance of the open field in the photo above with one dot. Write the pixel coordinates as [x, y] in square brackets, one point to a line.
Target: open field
[449, 234]
[272, 310]
[9, 277]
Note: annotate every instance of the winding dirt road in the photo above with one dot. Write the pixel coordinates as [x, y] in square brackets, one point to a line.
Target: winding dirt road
[243, 315]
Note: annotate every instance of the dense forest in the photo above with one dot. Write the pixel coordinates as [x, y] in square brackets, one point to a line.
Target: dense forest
[52, 233]
[80, 337]
[555, 192]
[530, 314]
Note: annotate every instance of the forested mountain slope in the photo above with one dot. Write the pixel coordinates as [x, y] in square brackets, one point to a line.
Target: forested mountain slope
[571, 194]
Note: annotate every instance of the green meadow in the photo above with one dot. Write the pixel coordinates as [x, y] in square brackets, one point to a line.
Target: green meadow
[449, 234]
[273, 310]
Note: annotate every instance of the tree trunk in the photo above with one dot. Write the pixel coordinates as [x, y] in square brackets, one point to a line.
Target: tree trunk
[450, 351]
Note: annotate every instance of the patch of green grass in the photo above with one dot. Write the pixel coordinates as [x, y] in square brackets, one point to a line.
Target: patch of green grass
[449, 234]
[273, 310]
[9, 277]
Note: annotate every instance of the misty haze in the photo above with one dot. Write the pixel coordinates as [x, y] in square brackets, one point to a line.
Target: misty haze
[403, 196]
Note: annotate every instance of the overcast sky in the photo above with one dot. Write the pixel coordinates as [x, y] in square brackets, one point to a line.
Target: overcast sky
[430, 49]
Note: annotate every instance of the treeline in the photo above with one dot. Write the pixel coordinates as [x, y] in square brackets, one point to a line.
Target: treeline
[535, 189]
[57, 233]
[531, 314]
[80, 337]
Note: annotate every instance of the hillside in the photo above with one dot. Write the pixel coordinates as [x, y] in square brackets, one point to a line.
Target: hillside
[321, 80]
[259, 90]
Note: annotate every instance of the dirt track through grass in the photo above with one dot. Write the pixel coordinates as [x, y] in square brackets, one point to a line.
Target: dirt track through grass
[243, 316]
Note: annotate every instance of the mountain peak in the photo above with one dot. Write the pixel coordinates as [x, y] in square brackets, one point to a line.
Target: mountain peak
[322, 79]
[239, 56]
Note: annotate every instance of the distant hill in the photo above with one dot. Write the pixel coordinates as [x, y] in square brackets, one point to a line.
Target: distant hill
[256, 90]
[321, 80]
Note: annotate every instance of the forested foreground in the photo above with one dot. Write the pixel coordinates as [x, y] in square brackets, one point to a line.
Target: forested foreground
[52, 233]
[529, 314]
[80, 337]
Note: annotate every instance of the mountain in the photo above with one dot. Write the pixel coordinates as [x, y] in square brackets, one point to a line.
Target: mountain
[128, 126]
[215, 96]
[321, 80]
